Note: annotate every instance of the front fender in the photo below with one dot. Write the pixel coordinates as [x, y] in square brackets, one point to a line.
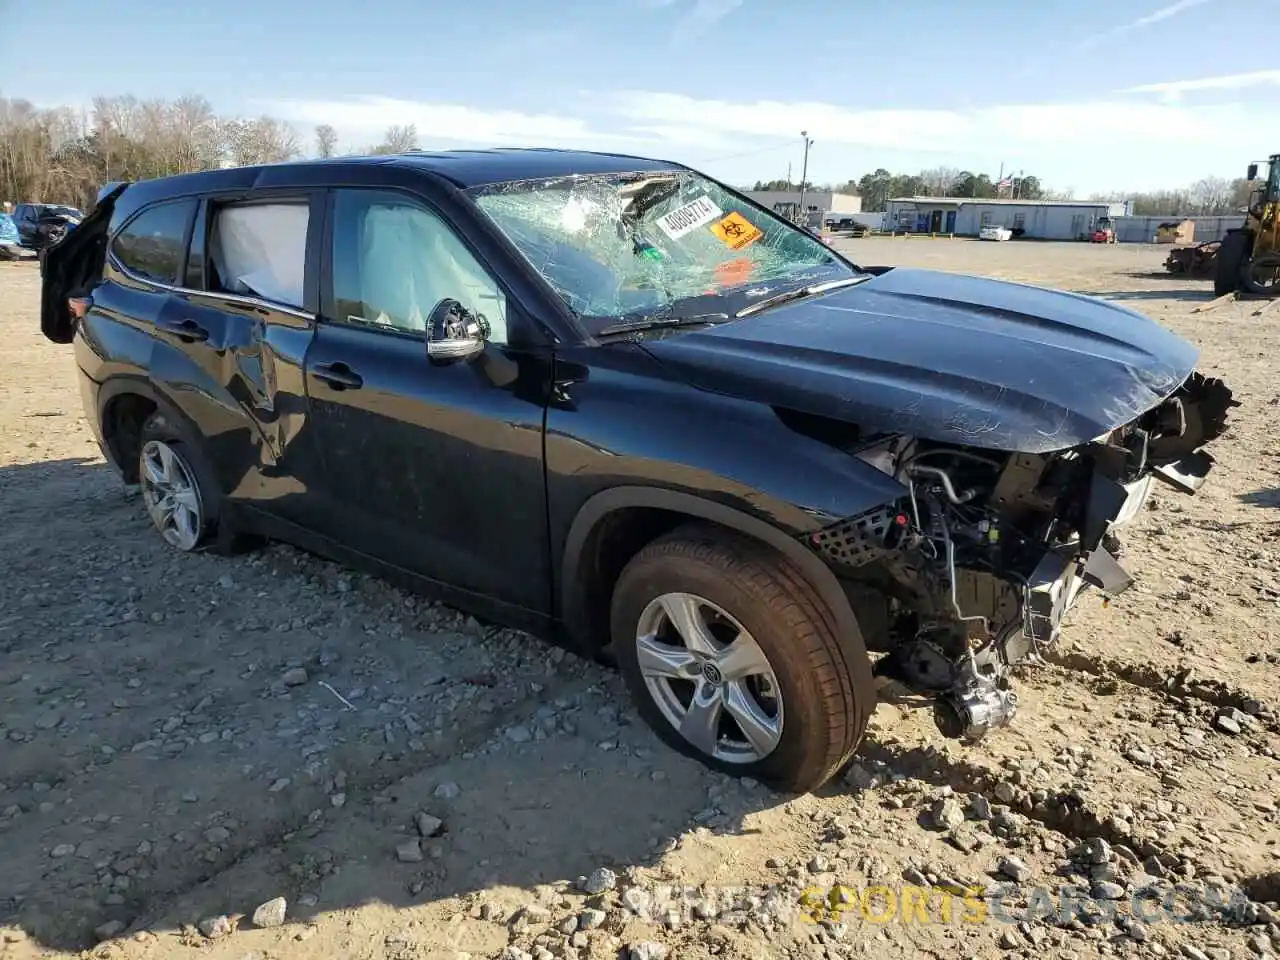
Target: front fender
[621, 436]
[622, 421]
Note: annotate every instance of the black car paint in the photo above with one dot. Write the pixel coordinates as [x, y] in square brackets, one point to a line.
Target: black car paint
[946, 357]
[484, 480]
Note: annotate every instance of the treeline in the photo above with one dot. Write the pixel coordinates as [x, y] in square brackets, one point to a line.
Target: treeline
[877, 188]
[1211, 196]
[63, 155]
[1208, 197]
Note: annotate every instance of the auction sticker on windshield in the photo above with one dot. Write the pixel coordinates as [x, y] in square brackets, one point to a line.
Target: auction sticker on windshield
[688, 218]
[736, 231]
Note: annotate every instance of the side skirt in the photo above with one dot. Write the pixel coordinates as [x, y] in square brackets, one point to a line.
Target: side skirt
[245, 519]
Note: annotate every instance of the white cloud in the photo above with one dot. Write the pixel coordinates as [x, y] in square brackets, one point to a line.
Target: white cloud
[1164, 13]
[1232, 81]
[364, 119]
[704, 15]
[998, 127]
[699, 17]
[1094, 145]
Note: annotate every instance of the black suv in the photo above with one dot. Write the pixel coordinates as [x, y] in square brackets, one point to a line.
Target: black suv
[615, 403]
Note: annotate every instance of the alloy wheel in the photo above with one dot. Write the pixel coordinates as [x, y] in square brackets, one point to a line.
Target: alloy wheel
[172, 495]
[709, 678]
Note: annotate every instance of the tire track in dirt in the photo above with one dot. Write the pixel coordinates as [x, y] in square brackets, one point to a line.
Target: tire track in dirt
[360, 793]
[371, 771]
[1145, 773]
[1178, 685]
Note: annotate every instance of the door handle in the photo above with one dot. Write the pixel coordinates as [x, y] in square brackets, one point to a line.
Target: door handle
[187, 330]
[338, 375]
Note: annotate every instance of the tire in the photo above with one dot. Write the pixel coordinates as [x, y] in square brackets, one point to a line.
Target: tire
[810, 709]
[1270, 261]
[1230, 266]
[178, 488]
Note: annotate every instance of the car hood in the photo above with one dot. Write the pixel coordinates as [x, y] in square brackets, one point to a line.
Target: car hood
[944, 357]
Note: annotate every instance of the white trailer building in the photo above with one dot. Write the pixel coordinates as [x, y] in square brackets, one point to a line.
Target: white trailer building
[819, 205]
[1144, 229]
[1035, 219]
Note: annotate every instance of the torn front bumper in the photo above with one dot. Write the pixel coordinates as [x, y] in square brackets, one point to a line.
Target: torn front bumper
[1064, 574]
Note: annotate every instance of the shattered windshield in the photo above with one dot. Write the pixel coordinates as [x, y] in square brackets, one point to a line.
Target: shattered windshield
[618, 247]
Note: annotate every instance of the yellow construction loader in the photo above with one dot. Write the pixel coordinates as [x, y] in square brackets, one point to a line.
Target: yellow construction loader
[1249, 259]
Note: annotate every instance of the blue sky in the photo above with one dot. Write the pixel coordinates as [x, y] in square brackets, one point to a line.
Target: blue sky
[1090, 95]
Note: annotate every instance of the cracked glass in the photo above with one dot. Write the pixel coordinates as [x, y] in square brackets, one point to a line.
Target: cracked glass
[622, 247]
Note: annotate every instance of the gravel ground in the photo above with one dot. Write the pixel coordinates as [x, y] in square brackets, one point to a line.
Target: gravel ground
[186, 739]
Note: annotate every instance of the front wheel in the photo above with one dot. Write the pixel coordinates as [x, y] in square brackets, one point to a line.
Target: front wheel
[1228, 271]
[731, 659]
[1262, 276]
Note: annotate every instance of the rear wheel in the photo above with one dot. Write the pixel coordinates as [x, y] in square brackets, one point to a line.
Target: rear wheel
[177, 488]
[731, 659]
[1230, 263]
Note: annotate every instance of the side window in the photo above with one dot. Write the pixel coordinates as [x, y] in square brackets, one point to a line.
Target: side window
[259, 250]
[153, 244]
[393, 261]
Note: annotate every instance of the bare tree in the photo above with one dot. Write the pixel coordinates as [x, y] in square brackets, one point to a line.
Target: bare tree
[326, 140]
[193, 135]
[264, 140]
[939, 181]
[26, 145]
[1211, 195]
[398, 140]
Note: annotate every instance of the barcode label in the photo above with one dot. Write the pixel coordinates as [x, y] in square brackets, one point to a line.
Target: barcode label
[689, 217]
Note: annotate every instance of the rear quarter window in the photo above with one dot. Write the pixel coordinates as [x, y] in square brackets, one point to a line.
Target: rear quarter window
[153, 244]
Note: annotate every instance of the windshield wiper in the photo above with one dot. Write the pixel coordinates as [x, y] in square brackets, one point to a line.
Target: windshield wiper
[799, 294]
[659, 322]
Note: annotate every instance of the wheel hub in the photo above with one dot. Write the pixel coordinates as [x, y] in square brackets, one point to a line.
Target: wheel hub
[709, 678]
[172, 495]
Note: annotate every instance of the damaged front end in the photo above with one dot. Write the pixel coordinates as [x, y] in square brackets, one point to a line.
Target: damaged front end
[972, 570]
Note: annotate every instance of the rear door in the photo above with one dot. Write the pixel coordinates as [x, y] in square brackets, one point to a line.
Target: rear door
[73, 268]
[434, 467]
[243, 317]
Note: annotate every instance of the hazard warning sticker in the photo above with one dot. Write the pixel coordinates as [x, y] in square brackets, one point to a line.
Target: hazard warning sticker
[736, 231]
[688, 218]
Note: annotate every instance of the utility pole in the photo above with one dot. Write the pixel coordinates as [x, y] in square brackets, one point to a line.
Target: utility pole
[804, 173]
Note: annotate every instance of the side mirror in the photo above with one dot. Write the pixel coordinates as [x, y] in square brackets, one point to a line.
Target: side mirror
[1252, 173]
[454, 333]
